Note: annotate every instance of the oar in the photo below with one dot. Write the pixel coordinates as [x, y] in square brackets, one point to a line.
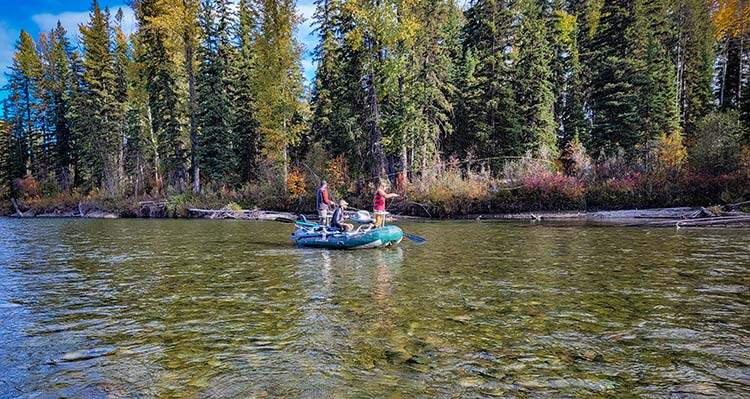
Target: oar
[416, 239]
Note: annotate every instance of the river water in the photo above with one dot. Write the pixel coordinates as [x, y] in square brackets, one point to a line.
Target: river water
[227, 309]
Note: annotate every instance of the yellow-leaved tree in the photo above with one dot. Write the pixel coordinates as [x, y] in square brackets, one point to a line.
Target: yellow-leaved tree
[278, 83]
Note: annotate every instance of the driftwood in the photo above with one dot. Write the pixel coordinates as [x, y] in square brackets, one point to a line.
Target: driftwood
[738, 205]
[734, 219]
[715, 221]
[15, 205]
[663, 217]
[254, 214]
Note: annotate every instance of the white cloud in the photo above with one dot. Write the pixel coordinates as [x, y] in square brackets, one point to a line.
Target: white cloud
[307, 10]
[71, 20]
[8, 38]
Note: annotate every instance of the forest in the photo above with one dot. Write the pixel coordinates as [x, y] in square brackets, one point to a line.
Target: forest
[487, 106]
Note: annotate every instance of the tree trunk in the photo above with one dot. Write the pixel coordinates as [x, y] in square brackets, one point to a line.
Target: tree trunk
[194, 168]
[376, 135]
[723, 79]
[155, 147]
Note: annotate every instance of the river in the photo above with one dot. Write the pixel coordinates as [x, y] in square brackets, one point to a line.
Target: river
[226, 309]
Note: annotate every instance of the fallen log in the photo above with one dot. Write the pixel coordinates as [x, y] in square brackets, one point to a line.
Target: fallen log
[254, 214]
[738, 205]
[15, 205]
[728, 220]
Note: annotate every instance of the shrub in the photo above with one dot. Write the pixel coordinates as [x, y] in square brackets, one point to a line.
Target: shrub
[715, 147]
[529, 165]
[27, 188]
[295, 183]
[232, 206]
[553, 191]
[577, 161]
[443, 190]
[614, 165]
[667, 153]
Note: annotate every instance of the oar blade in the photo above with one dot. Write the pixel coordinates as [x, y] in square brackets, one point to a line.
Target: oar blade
[416, 239]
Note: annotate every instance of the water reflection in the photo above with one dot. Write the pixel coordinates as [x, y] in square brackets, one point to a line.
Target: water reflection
[221, 309]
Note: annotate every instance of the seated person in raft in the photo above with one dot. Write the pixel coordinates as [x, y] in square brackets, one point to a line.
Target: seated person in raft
[337, 219]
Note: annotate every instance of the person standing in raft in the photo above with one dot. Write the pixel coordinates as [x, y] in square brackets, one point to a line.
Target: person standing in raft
[379, 203]
[322, 202]
[337, 220]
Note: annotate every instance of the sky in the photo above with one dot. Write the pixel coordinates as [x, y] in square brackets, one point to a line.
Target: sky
[35, 16]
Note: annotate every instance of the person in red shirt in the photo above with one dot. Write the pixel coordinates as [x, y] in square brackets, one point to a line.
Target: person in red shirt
[323, 203]
[379, 207]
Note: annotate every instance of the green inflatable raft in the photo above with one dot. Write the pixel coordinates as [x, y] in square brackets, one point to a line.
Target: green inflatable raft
[313, 235]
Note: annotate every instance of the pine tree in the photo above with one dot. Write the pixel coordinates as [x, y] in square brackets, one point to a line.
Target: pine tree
[62, 94]
[23, 105]
[568, 75]
[695, 59]
[165, 108]
[241, 72]
[618, 79]
[533, 80]
[100, 128]
[660, 108]
[214, 112]
[121, 65]
[141, 149]
[77, 112]
[489, 123]
[328, 74]
[278, 80]
[427, 109]
[338, 100]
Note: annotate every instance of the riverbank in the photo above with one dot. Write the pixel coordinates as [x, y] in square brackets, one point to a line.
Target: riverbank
[733, 215]
[450, 194]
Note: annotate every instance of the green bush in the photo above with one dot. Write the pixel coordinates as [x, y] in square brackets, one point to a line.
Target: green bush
[715, 147]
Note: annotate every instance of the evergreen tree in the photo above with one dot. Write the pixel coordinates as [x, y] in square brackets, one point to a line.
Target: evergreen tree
[695, 59]
[533, 80]
[100, 127]
[427, 109]
[61, 96]
[241, 71]
[23, 105]
[214, 112]
[141, 148]
[568, 75]
[489, 123]
[339, 112]
[278, 80]
[122, 65]
[165, 108]
[660, 109]
[618, 78]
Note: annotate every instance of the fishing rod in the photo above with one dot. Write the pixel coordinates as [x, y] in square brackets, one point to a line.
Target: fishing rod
[416, 239]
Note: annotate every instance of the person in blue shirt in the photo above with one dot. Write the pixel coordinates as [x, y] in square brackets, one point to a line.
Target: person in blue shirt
[337, 220]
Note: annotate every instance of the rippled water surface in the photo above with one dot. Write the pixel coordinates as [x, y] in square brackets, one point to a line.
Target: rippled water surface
[222, 309]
